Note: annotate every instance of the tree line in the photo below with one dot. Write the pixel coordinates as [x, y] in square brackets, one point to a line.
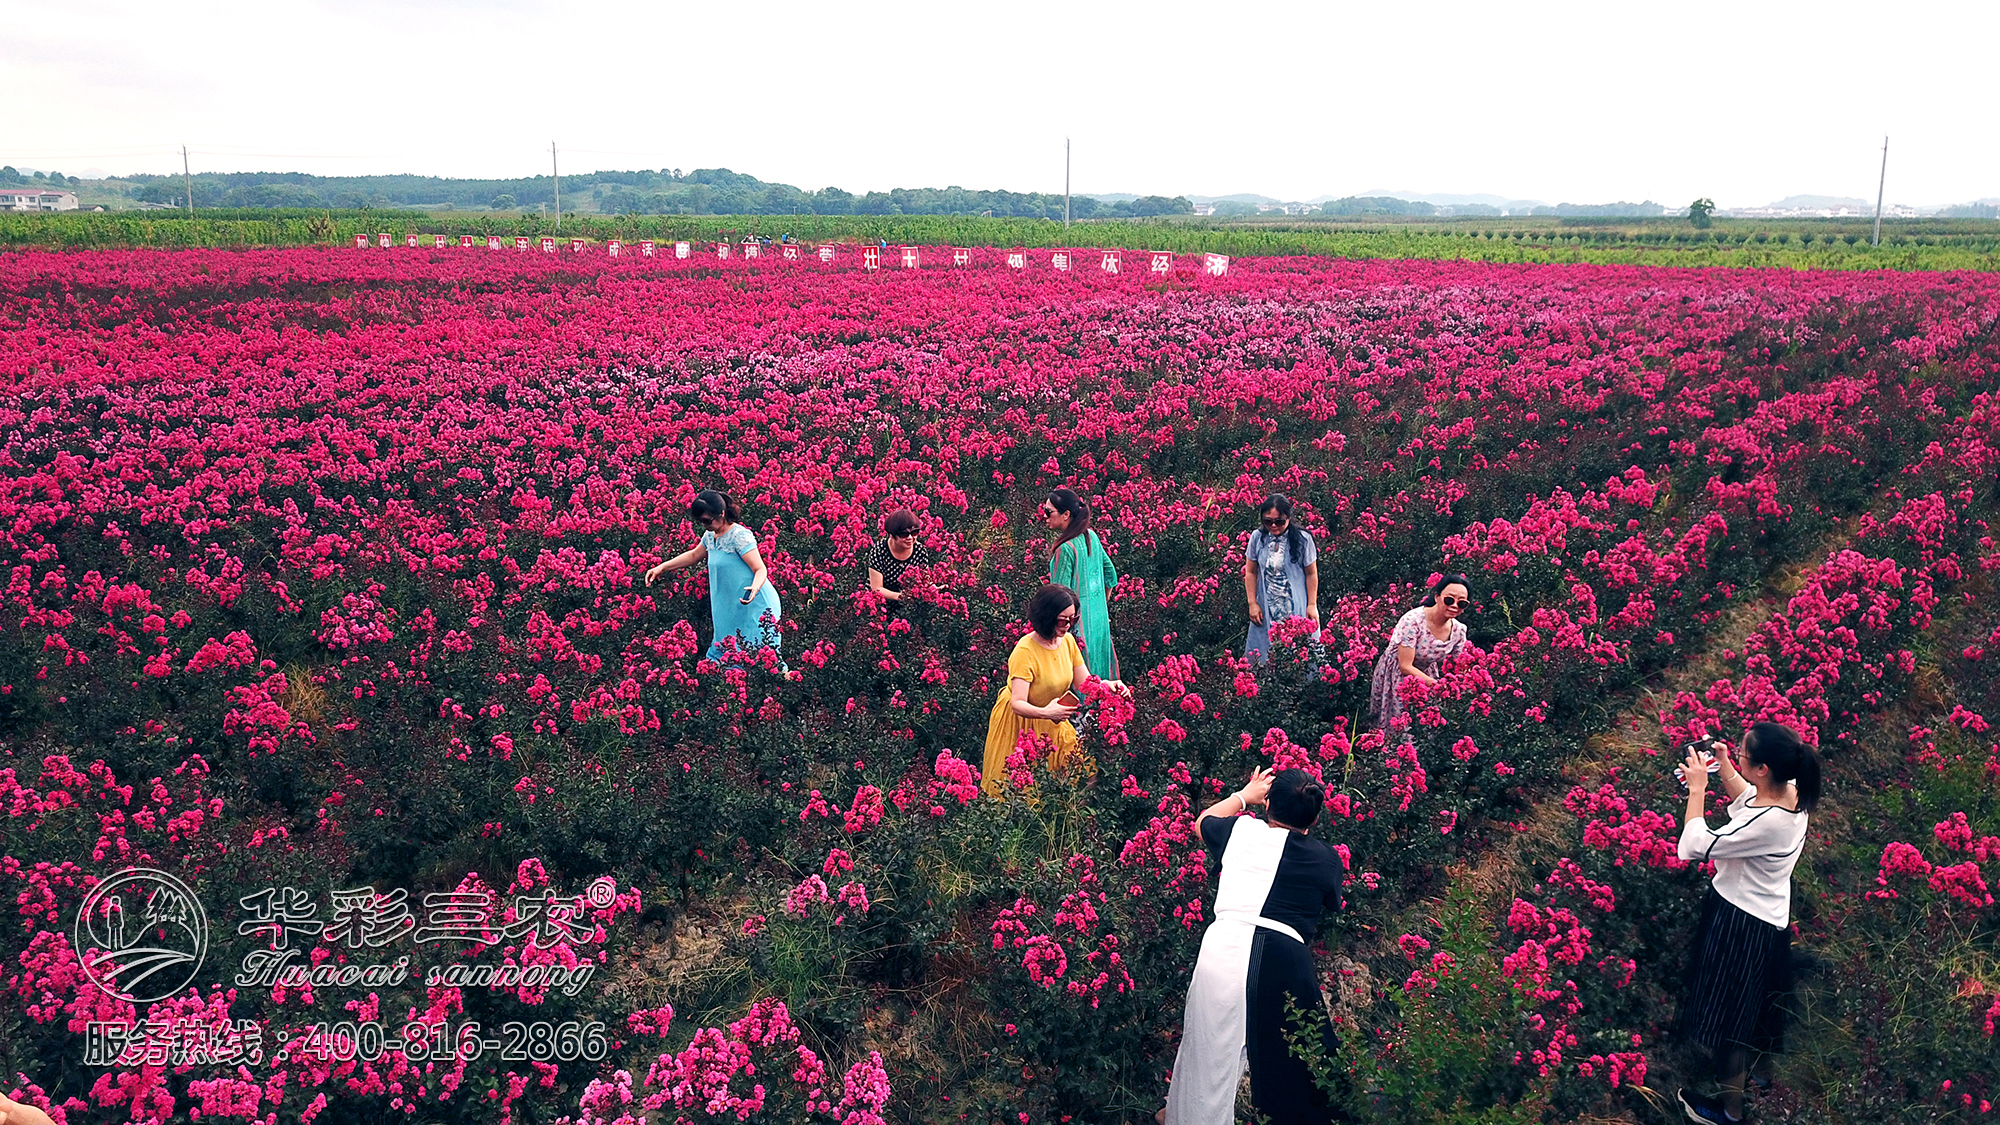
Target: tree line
[665, 191]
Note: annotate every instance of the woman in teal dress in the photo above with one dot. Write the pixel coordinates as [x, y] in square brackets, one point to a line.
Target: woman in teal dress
[741, 599]
[1079, 561]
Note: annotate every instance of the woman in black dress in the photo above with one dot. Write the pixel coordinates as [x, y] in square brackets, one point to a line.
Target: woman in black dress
[899, 552]
[1277, 882]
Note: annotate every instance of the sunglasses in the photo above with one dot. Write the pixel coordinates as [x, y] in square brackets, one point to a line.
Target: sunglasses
[1045, 511]
[1067, 618]
[910, 534]
[1280, 521]
[1451, 601]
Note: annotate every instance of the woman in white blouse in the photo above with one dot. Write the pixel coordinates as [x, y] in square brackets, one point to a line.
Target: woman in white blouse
[1741, 963]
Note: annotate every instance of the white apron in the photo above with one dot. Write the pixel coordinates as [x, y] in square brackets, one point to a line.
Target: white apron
[1211, 1062]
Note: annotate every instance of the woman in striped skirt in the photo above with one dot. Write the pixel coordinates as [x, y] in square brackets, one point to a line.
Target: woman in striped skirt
[1741, 968]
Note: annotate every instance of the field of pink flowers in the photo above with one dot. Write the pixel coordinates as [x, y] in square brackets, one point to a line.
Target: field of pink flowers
[324, 572]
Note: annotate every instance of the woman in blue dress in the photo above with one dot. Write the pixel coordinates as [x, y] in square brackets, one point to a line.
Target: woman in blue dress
[741, 599]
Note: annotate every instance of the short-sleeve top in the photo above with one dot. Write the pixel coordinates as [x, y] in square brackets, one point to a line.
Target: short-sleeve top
[1427, 652]
[735, 541]
[892, 568]
[1049, 672]
[1306, 885]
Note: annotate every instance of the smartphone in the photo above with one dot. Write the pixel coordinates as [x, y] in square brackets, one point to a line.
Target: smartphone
[1698, 748]
[1070, 699]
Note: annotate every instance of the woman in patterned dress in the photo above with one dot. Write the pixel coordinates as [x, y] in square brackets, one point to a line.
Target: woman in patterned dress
[895, 554]
[1420, 643]
[1280, 578]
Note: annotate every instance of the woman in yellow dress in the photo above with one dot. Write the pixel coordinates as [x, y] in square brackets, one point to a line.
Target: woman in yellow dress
[1044, 665]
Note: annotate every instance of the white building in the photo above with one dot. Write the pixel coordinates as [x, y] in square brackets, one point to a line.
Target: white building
[36, 199]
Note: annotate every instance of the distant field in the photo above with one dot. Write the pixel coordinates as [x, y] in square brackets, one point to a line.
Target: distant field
[1907, 244]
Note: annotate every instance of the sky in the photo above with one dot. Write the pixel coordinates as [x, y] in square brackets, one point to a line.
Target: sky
[1542, 99]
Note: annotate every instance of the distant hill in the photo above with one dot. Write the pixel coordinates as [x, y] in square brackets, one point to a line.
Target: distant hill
[1817, 202]
[666, 191]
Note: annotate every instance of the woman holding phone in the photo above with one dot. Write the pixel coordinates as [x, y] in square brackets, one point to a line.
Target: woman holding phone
[1740, 966]
[741, 600]
[1045, 675]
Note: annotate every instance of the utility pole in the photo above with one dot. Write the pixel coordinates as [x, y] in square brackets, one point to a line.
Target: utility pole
[1879, 185]
[1065, 183]
[188, 178]
[556, 174]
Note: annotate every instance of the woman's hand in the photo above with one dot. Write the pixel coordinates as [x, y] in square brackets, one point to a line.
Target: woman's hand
[1312, 611]
[1257, 791]
[749, 593]
[1725, 757]
[657, 571]
[1256, 614]
[1118, 687]
[1058, 712]
[1695, 771]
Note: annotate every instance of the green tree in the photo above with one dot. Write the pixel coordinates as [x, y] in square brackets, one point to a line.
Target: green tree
[503, 202]
[1699, 212]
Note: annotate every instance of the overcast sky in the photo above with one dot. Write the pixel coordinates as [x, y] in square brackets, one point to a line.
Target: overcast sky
[1550, 99]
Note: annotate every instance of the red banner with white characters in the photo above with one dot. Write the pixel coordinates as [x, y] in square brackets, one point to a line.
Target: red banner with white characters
[1163, 261]
[1060, 260]
[1109, 261]
[1017, 259]
[1217, 265]
[826, 254]
[871, 257]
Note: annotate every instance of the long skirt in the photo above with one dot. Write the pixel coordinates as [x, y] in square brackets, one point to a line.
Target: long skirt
[1739, 980]
[1236, 1014]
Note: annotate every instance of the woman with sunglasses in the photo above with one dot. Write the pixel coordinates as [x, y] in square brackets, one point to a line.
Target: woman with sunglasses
[1045, 666]
[892, 556]
[741, 600]
[1079, 561]
[1280, 576]
[1419, 645]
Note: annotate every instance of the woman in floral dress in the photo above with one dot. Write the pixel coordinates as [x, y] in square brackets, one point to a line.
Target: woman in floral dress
[1420, 643]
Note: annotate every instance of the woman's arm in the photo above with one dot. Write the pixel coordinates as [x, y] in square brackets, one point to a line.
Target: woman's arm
[1250, 589]
[1253, 793]
[1733, 783]
[875, 584]
[1406, 659]
[1017, 698]
[759, 574]
[1312, 591]
[686, 558]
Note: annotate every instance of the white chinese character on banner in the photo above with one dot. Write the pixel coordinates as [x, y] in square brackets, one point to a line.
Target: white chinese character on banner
[548, 245]
[493, 242]
[791, 253]
[361, 917]
[410, 241]
[1109, 264]
[1163, 262]
[826, 254]
[871, 257]
[683, 250]
[750, 249]
[645, 248]
[438, 242]
[1017, 259]
[465, 241]
[382, 240]
[576, 245]
[612, 247]
[521, 242]
[961, 256]
[1060, 260]
[722, 250]
[909, 257]
[1216, 264]
[361, 242]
